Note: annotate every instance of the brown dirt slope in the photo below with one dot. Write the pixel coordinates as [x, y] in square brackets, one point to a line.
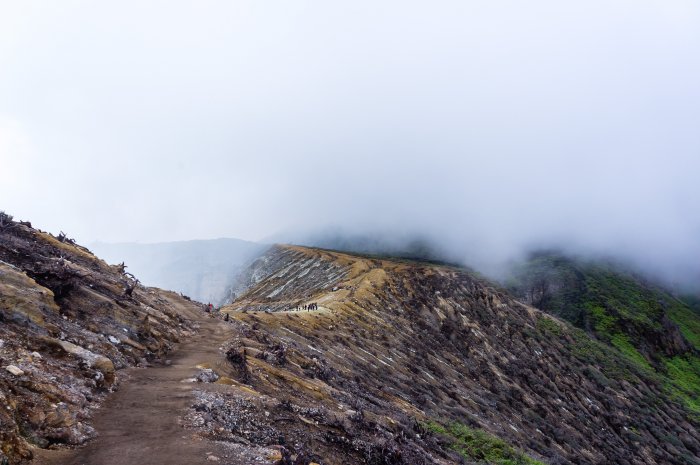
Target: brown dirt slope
[402, 345]
[67, 328]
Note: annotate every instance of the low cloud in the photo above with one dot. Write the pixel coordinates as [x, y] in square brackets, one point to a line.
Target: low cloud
[485, 129]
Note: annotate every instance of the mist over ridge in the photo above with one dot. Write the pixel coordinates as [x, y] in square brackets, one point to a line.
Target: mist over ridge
[486, 130]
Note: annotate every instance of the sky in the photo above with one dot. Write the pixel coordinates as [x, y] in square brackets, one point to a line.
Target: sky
[487, 126]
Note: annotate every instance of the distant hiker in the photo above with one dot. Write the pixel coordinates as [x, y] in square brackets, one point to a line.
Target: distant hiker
[226, 318]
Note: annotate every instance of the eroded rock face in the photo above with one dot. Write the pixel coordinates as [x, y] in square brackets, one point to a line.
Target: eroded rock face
[395, 345]
[59, 305]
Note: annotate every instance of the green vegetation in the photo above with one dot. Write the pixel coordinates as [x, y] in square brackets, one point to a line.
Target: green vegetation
[478, 445]
[612, 363]
[688, 322]
[623, 344]
[683, 375]
[692, 301]
[601, 296]
[548, 325]
[624, 312]
[602, 321]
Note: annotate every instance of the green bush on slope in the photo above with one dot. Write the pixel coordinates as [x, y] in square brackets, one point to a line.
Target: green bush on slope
[478, 445]
[683, 375]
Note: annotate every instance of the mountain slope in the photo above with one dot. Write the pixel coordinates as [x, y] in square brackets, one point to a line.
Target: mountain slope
[405, 362]
[650, 326]
[202, 269]
[68, 324]
[389, 362]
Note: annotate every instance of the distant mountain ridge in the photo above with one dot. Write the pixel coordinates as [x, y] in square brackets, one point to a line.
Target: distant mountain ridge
[200, 269]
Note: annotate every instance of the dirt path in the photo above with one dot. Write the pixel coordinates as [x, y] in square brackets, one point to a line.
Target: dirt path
[138, 424]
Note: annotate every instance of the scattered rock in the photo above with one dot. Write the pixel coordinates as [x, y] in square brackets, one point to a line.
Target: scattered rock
[133, 344]
[207, 376]
[14, 370]
[113, 340]
[213, 458]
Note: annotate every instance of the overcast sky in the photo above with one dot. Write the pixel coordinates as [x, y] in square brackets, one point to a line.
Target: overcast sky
[488, 125]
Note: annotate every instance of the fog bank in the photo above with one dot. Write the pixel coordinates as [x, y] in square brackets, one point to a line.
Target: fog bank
[485, 128]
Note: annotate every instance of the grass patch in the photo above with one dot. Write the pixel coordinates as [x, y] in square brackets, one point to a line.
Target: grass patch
[480, 446]
[608, 360]
[683, 375]
[548, 325]
[602, 321]
[623, 344]
[687, 321]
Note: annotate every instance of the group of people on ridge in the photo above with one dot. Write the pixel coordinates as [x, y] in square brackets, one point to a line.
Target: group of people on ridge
[307, 307]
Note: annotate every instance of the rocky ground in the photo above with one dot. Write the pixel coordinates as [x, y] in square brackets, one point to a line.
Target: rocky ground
[69, 325]
[405, 346]
[402, 363]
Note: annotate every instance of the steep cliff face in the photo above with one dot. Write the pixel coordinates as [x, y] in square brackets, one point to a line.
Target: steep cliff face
[68, 323]
[404, 362]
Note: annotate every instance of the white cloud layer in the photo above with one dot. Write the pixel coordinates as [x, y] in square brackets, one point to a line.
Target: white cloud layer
[488, 126]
